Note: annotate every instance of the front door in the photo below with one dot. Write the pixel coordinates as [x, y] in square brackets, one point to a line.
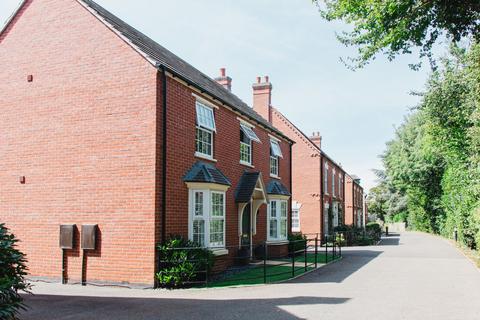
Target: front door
[246, 226]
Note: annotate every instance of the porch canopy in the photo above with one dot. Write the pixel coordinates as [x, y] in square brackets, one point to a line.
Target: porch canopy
[250, 190]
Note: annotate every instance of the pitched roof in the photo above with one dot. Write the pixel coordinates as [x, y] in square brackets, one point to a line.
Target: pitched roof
[206, 173]
[276, 187]
[246, 186]
[176, 65]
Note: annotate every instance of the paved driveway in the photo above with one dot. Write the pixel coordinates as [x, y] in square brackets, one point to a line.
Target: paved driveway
[412, 276]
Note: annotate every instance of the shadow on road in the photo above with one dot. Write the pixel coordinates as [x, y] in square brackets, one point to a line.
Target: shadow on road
[353, 260]
[393, 239]
[43, 307]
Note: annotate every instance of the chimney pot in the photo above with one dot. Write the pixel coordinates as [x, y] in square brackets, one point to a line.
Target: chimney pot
[259, 79]
[223, 80]
[266, 79]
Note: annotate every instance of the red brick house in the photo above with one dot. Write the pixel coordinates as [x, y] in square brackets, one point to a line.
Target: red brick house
[354, 202]
[317, 180]
[101, 125]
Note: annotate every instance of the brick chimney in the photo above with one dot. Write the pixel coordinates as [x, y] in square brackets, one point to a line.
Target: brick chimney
[262, 97]
[317, 139]
[223, 80]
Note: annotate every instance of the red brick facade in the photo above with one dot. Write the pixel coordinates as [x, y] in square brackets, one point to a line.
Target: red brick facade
[87, 135]
[354, 212]
[310, 196]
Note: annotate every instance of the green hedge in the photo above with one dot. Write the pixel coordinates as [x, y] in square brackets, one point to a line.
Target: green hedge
[183, 262]
[13, 270]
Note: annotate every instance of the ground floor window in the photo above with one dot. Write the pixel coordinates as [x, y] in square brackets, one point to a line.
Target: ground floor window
[277, 220]
[296, 220]
[207, 218]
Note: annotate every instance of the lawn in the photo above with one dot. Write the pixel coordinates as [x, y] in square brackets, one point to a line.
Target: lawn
[277, 270]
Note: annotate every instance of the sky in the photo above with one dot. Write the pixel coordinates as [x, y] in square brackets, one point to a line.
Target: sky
[355, 111]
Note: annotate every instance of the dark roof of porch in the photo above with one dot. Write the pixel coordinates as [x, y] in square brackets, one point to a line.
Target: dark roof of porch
[246, 186]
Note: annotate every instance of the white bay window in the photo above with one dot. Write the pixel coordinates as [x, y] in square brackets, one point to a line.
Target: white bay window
[207, 218]
[277, 220]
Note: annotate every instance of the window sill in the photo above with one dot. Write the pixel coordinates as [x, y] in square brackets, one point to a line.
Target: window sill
[277, 242]
[219, 252]
[205, 157]
[247, 164]
[275, 176]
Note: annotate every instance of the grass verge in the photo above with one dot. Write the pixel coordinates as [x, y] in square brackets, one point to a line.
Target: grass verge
[277, 270]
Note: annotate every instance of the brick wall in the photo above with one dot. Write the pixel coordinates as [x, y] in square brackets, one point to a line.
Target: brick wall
[305, 175]
[226, 152]
[83, 135]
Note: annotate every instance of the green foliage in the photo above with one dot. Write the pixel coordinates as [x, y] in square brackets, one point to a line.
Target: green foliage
[397, 27]
[183, 262]
[296, 242]
[13, 270]
[374, 230]
[434, 159]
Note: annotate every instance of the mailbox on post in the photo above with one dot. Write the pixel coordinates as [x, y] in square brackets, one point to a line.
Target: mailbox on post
[66, 242]
[66, 236]
[89, 236]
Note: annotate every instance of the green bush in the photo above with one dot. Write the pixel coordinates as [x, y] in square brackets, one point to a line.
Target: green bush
[13, 270]
[374, 230]
[183, 262]
[296, 242]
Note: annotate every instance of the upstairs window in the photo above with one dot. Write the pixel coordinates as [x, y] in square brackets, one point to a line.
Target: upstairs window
[325, 178]
[204, 131]
[275, 153]
[247, 135]
[333, 182]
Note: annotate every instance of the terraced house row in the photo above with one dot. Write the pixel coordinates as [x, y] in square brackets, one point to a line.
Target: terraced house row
[117, 142]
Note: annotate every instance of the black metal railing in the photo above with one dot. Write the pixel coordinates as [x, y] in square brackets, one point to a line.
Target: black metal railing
[258, 263]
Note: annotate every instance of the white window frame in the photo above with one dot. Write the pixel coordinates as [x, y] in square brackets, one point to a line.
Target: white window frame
[249, 146]
[296, 220]
[278, 218]
[275, 148]
[333, 183]
[207, 215]
[275, 172]
[325, 178]
[199, 153]
[205, 116]
[248, 131]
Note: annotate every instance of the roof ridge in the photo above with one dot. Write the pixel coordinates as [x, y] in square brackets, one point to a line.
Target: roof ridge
[297, 131]
[154, 52]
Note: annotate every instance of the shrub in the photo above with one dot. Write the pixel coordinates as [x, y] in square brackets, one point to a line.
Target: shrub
[296, 242]
[183, 262]
[13, 270]
[374, 230]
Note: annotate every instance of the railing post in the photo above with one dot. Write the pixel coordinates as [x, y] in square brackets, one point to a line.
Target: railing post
[326, 249]
[316, 252]
[206, 272]
[293, 260]
[265, 252]
[305, 252]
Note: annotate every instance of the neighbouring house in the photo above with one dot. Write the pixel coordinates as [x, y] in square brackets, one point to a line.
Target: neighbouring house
[317, 180]
[103, 126]
[355, 208]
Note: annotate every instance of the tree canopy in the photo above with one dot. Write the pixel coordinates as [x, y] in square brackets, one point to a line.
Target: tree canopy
[434, 159]
[397, 27]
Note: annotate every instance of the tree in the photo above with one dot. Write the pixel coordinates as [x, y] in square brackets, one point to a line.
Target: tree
[397, 27]
[12, 275]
